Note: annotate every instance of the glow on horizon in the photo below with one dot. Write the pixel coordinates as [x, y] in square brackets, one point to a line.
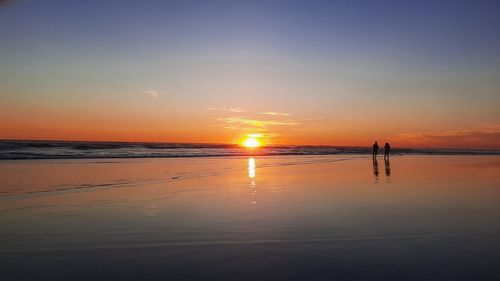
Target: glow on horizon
[251, 142]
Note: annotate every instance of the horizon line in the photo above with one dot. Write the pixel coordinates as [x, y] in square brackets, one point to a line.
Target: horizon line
[237, 145]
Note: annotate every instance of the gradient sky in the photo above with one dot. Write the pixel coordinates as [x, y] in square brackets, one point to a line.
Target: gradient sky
[415, 73]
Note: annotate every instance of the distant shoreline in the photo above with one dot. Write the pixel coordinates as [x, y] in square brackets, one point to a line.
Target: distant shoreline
[208, 144]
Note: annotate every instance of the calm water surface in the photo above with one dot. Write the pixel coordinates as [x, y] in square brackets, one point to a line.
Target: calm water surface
[261, 218]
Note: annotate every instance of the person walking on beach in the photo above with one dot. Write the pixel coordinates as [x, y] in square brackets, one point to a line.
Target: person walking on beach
[375, 150]
[387, 148]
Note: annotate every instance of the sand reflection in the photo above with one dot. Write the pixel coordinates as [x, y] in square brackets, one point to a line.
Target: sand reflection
[307, 209]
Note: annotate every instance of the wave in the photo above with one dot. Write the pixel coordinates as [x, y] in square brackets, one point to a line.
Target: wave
[15, 150]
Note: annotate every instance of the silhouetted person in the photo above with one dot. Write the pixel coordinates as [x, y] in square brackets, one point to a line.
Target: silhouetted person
[387, 148]
[375, 150]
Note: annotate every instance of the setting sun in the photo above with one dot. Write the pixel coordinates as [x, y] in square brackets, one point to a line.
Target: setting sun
[251, 143]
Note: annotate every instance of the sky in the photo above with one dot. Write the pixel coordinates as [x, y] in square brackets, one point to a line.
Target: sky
[414, 73]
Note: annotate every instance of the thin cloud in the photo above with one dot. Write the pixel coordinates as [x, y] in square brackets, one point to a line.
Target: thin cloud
[261, 135]
[245, 128]
[275, 113]
[261, 124]
[151, 93]
[256, 122]
[228, 109]
[488, 135]
[314, 118]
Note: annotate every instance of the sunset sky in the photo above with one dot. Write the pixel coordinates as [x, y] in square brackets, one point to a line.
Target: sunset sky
[415, 73]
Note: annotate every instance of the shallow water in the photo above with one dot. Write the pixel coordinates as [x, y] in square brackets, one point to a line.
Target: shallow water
[262, 218]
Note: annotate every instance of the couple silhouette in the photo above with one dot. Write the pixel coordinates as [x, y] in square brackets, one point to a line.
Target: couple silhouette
[387, 148]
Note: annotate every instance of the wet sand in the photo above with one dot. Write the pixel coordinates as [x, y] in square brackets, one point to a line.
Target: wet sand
[263, 218]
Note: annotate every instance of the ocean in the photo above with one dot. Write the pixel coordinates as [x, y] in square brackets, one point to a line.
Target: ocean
[23, 149]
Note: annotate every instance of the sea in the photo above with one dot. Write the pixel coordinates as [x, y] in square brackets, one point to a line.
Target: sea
[41, 149]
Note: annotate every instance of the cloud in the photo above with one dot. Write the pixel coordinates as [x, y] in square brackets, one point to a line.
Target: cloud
[314, 118]
[268, 124]
[228, 109]
[260, 135]
[151, 93]
[244, 128]
[275, 113]
[483, 136]
[257, 123]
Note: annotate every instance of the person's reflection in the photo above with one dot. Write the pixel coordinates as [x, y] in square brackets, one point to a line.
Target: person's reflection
[387, 165]
[375, 169]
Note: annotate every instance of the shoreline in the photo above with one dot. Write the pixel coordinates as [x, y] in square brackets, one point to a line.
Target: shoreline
[495, 153]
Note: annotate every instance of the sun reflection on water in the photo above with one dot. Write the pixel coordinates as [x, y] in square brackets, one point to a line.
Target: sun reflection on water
[251, 176]
[251, 167]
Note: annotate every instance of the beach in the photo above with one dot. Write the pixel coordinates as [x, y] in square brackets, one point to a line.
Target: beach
[331, 217]
[249, 140]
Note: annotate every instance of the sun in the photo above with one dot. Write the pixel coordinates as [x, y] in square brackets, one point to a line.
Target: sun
[251, 143]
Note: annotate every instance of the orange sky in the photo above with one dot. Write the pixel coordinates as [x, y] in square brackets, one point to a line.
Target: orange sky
[228, 125]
